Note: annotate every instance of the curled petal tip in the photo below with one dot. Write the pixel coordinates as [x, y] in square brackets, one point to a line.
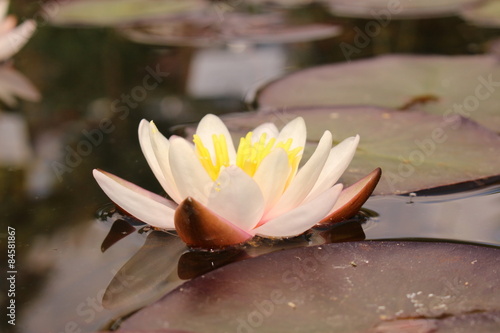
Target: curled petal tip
[352, 198]
[199, 227]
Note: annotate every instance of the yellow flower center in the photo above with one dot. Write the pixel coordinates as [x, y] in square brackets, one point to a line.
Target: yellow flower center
[248, 156]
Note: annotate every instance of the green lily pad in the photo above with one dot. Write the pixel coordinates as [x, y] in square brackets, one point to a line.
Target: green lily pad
[415, 150]
[115, 12]
[443, 85]
[345, 287]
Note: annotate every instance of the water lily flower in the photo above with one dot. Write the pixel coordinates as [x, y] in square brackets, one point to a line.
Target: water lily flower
[12, 39]
[223, 196]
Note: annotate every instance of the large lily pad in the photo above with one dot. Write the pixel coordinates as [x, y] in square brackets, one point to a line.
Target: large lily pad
[115, 12]
[442, 85]
[415, 150]
[208, 30]
[346, 287]
[483, 13]
[373, 9]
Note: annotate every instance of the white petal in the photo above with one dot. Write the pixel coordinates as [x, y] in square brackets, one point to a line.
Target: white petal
[272, 175]
[15, 39]
[151, 208]
[189, 175]
[147, 150]
[14, 84]
[8, 23]
[295, 130]
[337, 162]
[4, 6]
[236, 197]
[303, 183]
[156, 148]
[301, 218]
[269, 128]
[210, 125]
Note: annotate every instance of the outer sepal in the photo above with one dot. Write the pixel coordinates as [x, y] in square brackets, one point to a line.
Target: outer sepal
[352, 198]
[199, 227]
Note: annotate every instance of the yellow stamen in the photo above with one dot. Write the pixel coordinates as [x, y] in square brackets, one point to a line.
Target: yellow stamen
[248, 157]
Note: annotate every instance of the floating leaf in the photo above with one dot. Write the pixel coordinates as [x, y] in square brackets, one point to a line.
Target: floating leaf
[483, 13]
[204, 29]
[115, 12]
[373, 9]
[345, 287]
[415, 150]
[445, 85]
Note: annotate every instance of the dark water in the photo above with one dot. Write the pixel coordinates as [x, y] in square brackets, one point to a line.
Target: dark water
[52, 201]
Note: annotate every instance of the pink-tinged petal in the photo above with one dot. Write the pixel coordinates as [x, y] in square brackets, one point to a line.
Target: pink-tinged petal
[305, 179]
[199, 227]
[295, 130]
[14, 40]
[4, 6]
[156, 148]
[147, 150]
[269, 129]
[190, 177]
[148, 207]
[210, 125]
[8, 23]
[338, 160]
[352, 198]
[272, 175]
[14, 84]
[237, 198]
[302, 218]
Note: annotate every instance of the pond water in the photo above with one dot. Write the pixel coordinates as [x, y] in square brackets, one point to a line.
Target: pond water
[96, 86]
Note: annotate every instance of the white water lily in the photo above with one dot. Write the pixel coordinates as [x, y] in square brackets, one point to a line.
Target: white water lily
[222, 195]
[12, 38]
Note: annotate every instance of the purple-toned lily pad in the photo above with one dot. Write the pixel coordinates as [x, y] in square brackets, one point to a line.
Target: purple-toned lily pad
[346, 287]
[415, 150]
[444, 85]
[484, 13]
[208, 29]
[373, 9]
[115, 12]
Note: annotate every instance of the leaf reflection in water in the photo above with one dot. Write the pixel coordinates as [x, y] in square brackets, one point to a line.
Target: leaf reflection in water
[164, 261]
[150, 273]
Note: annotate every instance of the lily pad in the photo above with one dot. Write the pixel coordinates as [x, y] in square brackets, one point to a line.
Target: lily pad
[442, 85]
[204, 29]
[415, 150]
[115, 12]
[483, 13]
[345, 287]
[396, 9]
